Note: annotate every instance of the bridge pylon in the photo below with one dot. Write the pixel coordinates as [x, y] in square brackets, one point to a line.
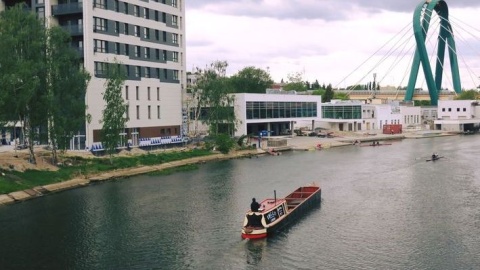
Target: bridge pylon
[421, 23]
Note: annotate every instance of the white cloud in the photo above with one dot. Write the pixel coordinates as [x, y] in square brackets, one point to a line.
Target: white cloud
[327, 50]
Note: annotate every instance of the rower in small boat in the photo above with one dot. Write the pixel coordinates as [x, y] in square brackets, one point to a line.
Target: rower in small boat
[434, 156]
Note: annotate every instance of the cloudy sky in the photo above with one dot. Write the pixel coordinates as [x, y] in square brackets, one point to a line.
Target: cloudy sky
[332, 41]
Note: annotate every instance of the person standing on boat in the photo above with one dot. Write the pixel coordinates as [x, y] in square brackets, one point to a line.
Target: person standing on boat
[254, 206]
[434, 156]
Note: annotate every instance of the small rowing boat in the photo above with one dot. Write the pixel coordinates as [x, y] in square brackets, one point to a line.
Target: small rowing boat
[378, 144]
[433, 159]
[275, 214]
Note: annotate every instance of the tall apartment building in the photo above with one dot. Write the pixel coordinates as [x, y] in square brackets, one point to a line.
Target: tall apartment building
[147, 38]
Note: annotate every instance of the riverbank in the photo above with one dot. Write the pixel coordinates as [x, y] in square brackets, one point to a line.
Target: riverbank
[295, 143]
[82, 180]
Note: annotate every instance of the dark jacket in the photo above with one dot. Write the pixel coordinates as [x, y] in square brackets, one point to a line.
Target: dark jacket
[254, 206]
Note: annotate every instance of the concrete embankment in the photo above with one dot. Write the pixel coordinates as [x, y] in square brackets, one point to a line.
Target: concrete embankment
[19, 196]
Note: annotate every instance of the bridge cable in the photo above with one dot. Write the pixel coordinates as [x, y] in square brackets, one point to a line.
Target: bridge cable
[403, 29]
[406, 30]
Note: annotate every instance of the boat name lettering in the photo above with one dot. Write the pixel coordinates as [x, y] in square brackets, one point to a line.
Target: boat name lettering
[271, 216]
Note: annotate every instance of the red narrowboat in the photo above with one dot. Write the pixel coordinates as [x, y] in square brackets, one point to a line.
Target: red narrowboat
[274, 214]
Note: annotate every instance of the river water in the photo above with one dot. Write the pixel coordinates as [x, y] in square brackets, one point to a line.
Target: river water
[382, 208]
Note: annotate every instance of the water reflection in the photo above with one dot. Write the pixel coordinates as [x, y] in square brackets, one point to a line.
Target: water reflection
[254, 250]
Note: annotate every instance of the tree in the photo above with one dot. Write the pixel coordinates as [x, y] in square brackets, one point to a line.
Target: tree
[66, 84]
[251, 80]
[22, 59]
[329, 94]
[316, 85]
[211, 101]
[114, 114]
[467, 95]
[295, 82]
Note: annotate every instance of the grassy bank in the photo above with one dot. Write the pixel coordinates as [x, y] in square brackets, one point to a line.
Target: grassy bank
[11, 181]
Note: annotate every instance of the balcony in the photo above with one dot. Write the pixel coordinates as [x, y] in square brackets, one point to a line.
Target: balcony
[79, 51]
[69, 8]
[74, 30]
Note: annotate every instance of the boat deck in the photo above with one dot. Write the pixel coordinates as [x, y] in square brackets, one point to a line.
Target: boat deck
[267, 204]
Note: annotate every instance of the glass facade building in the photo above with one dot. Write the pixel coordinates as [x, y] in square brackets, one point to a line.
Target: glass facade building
[273, 109]
[342, 112]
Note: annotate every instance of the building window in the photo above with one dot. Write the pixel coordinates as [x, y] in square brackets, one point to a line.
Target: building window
[147, 53]
[148, 93]
[127, 70]
[125, 7]
[164, 17]
[137, 92]
[174, 38]
[117, 48]
[100, 69]
[158, 73]
[157, 54]
[174, 3]
[127, 112]
[138, 112]
[175, 75]
[158, 93]
[449, 109]
[146, 13]
[146, 33]
[164, 55]
[100, 46]
[125, 29]
[147, 74]
[458, 109]
[443, 109]
[175, 57]
[116, 6]
[149, 113]
[100, 24]
[158, 112]
[164, 36]
[127, 50]
[464, 109]
[137, 51]
[165, 73]
[156, 15]
[174, 20]
[117, 27]
[137, 31]
[136, 11]
[126, 92]
[100, 3]
[137, 72]
[41, 13]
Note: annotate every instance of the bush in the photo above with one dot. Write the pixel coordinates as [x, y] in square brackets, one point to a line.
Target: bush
[224, 143]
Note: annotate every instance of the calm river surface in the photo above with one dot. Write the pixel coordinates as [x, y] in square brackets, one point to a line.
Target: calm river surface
[382, 208]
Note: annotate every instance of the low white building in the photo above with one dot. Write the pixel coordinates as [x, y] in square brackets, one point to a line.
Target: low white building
[274, 113]
[458, 115]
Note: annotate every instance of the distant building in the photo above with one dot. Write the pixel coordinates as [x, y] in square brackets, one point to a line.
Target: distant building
[458, 115]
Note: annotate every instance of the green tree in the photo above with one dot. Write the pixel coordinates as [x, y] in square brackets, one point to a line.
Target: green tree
[295, 82]
[22, 60]
[66, 85]
[329, 94]
[251, 80]
[114, 114]
[467, 95]
[341, 96]
[316, 85]
[212, 102]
